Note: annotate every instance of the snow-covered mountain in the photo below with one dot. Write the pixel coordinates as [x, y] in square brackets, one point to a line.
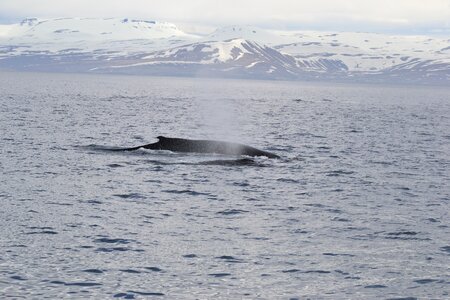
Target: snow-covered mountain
[87, 35]
[230, 58]
[149, 47]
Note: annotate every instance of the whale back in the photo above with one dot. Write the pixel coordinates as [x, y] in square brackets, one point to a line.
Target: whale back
[200, 146]
[207, 146]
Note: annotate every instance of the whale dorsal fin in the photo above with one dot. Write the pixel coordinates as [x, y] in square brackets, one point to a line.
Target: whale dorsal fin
[161, 137]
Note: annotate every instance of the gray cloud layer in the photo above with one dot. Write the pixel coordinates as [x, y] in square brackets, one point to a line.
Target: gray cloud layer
[371, 15]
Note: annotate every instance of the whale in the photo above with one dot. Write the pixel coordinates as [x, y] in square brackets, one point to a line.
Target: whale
[202, 146]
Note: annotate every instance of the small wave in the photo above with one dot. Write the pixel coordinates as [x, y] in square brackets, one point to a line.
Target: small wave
[446, 249]
[130, 196]
[40, 227]
[232, 212]
[402, 233]
[118, 249]
[60, 203]
[375, 286]
[425, 281]
[131, 271]
[288, 180]
[84, 284]
[114, 165]
[189, 192]
[112, 249]
[219, 274]
[405, 235]
[93, 202]
[43, 232]
[291, 271]
[113, 241]
[124, 295]
[99, 147]
[94, 271]
[147, 293]
[120, 97]
[381, 162]
[339, 173]
[354, 131]
[337, 254]
[315, 205]
[230, 162]
[190, 256]
[230, 259]
[153, 269]
[216, 162]
[306, 272]
[317, 272]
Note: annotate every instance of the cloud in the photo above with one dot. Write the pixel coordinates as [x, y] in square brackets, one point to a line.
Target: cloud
[324, 14]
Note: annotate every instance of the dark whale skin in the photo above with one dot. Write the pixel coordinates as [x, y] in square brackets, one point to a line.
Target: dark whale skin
[203, 146]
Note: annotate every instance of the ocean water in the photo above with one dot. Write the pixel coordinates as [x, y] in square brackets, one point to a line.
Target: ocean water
[357, 208]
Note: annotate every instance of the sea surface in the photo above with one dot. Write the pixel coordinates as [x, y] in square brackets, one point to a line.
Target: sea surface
[358, 207]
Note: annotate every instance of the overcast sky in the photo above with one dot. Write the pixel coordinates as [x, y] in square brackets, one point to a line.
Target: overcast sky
[390, 16]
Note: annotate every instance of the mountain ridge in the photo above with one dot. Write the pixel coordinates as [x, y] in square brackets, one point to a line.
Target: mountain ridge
[132, 46]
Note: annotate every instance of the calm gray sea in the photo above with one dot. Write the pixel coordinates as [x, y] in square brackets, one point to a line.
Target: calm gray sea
[357, 208]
